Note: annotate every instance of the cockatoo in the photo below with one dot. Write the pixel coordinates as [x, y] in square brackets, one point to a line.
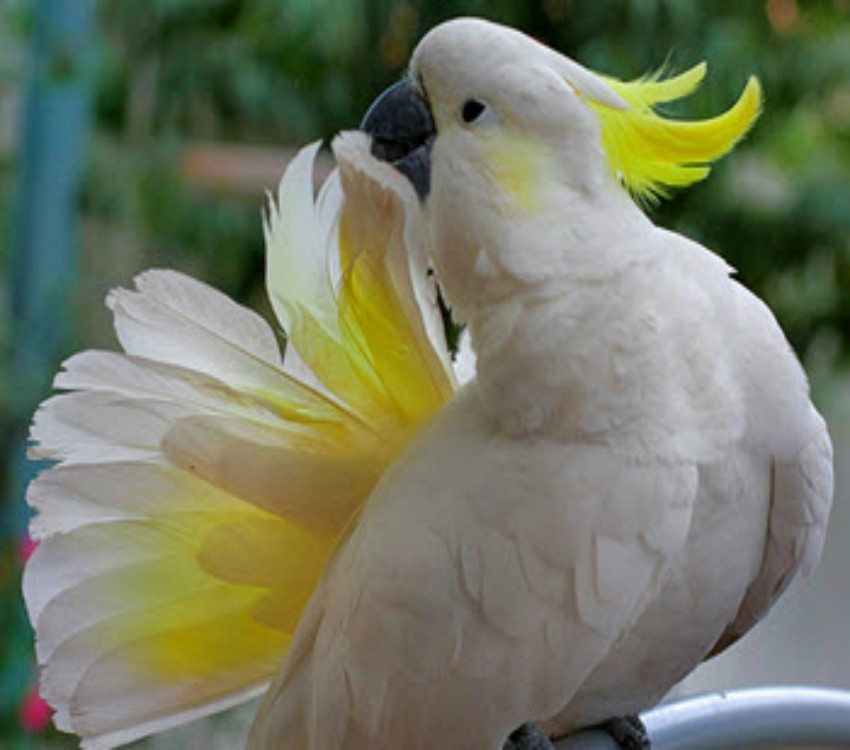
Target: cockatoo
[419, 553]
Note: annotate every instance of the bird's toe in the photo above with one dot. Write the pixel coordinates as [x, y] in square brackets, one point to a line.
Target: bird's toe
[528, 737]
[628, 732]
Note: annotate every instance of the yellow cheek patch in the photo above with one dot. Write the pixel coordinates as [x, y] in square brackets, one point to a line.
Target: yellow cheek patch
[517, 163]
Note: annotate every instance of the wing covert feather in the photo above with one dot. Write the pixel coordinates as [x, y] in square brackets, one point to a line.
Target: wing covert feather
[801, 498]
[526, 561]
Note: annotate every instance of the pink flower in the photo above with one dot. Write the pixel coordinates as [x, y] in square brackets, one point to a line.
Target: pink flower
[26, 546]
[34, 713]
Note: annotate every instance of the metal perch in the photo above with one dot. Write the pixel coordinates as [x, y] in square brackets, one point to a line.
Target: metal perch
[740, 719]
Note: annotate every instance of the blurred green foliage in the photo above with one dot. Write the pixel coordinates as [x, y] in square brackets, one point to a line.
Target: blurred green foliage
[285, 72]
[289, 71]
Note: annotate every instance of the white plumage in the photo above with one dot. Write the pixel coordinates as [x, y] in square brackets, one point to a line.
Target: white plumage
[632, 476]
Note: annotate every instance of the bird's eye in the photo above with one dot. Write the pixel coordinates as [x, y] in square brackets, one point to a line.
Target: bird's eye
[472, 110]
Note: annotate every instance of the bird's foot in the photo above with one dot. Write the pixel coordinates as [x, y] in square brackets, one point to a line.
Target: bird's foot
[628, 732]
[528, 737]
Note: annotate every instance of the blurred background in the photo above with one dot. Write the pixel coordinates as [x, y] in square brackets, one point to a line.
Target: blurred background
[145, 134]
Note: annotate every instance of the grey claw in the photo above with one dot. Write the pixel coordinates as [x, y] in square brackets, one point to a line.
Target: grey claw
[528, 737]
[628, 732]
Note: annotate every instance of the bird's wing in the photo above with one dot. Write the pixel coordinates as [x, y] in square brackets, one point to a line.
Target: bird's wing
[485, 580]
[145, 568]
[800, 501]
[201, 483]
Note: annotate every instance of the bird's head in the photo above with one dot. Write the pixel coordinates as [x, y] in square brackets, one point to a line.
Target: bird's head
[512, 145]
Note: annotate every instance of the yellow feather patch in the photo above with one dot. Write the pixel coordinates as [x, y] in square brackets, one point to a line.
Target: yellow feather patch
[379, 321]
[373, 321]
[650, 153]
[517, 166]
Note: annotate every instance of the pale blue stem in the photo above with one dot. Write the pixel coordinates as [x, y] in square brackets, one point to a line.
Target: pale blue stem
[52, 137]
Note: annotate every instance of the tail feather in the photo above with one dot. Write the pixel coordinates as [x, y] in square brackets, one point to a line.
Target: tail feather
[200, 485]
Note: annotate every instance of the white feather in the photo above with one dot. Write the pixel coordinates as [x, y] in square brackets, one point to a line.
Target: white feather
[92, 427]
[176, 320]
[634, 469]
[471, 645]
[269, 469]
[296, 266]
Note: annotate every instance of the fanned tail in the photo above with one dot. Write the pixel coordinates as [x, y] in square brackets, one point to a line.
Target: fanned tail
[201, 480]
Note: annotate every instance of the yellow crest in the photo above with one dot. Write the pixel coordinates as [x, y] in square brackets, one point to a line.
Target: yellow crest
[649, 153]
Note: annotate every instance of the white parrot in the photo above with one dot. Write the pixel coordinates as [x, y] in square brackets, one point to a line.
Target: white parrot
[419, 553]
[632, 476]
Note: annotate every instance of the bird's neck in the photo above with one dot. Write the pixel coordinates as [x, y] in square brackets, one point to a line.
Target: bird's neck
[542, 339]
[571, 237]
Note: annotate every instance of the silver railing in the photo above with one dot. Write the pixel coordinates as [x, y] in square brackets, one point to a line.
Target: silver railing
[739, 720]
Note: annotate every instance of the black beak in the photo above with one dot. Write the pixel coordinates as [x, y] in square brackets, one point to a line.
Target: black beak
[403, 133]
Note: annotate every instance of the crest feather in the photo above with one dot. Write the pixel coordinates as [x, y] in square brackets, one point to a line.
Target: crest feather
[651, 154]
